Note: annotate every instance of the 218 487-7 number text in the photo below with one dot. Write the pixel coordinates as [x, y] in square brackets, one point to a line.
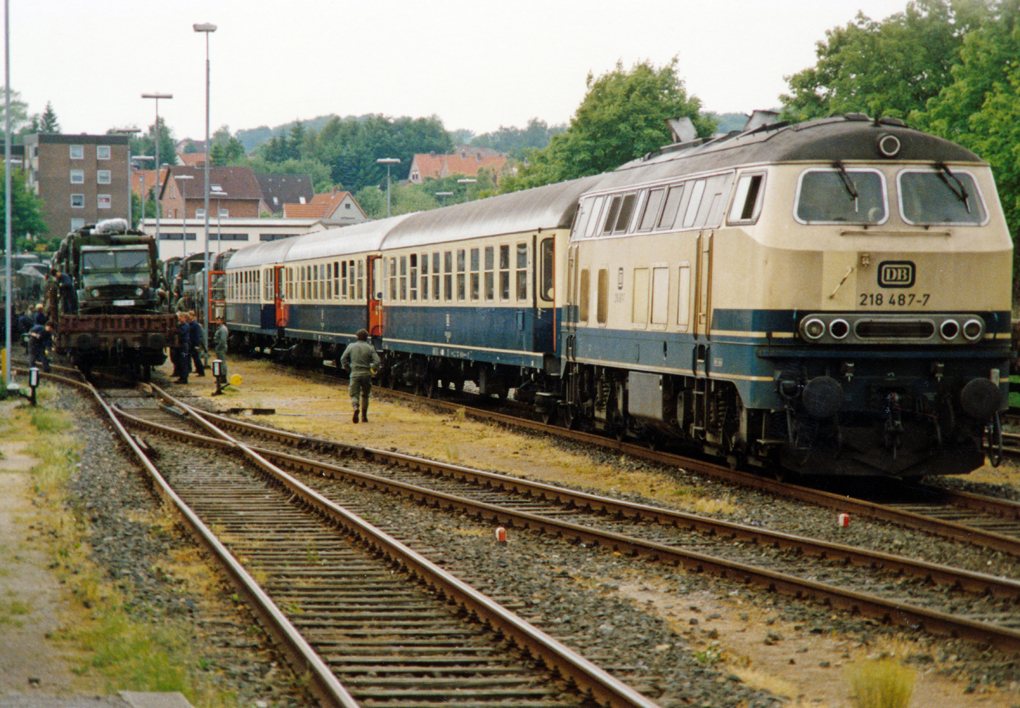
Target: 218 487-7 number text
[894, 299]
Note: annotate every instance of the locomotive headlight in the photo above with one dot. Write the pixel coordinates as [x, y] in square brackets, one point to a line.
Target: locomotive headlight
[839, 329]
[813, 329]
[973, 329]
[949, 329]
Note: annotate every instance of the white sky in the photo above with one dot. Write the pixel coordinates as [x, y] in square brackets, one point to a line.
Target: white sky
[476, 64]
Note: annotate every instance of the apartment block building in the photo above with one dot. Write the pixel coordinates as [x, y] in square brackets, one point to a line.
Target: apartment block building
[81, 179]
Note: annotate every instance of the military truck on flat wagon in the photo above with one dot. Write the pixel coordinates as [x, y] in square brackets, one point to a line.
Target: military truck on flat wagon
[114, 312]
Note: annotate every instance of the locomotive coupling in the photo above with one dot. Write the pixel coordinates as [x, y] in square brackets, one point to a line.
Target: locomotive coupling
[981, 399]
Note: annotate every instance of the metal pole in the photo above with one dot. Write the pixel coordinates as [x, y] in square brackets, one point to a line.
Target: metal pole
[207, 29]
[7, 186]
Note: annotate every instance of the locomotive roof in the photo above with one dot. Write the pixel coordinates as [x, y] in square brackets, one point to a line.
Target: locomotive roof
[542, 208]
[848, 138]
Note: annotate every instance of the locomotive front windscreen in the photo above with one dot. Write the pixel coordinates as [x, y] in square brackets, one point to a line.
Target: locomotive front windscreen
[940, 197]
[840, 195]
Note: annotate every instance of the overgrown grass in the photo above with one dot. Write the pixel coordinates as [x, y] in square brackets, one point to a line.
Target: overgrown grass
[881, 683]
[112, 649]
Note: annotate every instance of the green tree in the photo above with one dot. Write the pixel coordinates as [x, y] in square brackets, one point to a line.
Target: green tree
[886, 68]
[26, 208]
[19, 113]
[515, 141]
[623, 116]
[146, 144]
[48, 122]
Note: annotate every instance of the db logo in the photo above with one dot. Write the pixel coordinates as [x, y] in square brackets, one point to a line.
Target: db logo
[896, 274]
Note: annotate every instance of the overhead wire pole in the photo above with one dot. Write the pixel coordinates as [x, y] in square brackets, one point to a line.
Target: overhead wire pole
[7, 191]
[207, 29]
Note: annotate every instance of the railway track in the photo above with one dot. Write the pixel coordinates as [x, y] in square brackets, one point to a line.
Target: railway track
[332, 596]
[894, 589]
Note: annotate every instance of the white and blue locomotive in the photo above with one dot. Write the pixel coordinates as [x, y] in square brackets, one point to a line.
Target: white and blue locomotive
[831, 297]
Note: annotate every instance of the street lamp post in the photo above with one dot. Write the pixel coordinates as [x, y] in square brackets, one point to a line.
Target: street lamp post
[466, 181]
[207, 29]
[219, 194]
[155, 139]
[442, 197]
[183, 179]
[388, 161]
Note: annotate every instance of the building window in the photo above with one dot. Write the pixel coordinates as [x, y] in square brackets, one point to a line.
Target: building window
[77, 152]
[102, 152]
[102, 177]
[77, 176]
[104, 201]
[77, 201]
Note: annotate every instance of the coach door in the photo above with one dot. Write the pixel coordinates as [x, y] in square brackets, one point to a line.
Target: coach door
[375, 293]
[279, 298]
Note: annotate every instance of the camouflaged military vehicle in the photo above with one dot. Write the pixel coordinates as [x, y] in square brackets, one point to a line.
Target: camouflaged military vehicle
[117, 314]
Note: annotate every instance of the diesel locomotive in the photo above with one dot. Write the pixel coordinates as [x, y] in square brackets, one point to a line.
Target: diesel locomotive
[830, 298]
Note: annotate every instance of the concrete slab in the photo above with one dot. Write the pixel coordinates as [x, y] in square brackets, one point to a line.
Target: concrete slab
[137, 699]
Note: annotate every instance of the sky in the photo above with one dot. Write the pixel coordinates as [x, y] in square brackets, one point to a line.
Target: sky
[476, 64]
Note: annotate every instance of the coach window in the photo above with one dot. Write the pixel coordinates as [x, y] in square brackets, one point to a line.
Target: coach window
[424, 277]
[522, 271]
[361, 280]
[747, 199]
[547, 251]
[504, 272]
[476, 266]
[393, 279]
[602, 313]
[316, 289]
[490, 275]
[414, 277]
[673, 198]
[448, 276]
[436, 275]
[403, 278]
[583, 295]
[461, 274]
[639, 297]
[839, 195]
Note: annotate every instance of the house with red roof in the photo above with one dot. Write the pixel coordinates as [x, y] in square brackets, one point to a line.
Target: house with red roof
[467, 161]
[336, 208]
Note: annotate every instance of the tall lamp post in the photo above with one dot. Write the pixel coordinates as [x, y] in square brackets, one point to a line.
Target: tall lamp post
[388, 161]
[155, 139]
[466, 181]
[8, 324]
[206, 29]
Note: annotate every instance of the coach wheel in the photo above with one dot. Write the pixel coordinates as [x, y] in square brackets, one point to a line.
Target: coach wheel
[571, 420]
[548, 415]
[430, 386]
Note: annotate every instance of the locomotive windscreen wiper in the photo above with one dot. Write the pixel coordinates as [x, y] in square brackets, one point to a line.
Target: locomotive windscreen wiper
[954, 184]
[847, 182]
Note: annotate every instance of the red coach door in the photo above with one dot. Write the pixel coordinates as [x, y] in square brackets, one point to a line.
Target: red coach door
[279, 300]
[374, 293]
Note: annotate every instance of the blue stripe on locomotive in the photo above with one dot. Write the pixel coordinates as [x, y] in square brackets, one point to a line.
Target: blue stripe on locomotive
[741, 351]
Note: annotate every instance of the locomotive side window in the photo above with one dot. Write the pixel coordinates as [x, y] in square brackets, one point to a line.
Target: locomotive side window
[522, 271]
[940, 197]
[593, 221]
[504, 272]
[839, 195]
[625, 214]
[673, 197]
[583, 295]
[584, 213]
[651, 210]
[602, 311]
[694, 204]
[490, 277]
[611, 215]
[548, 263]
[747, 200]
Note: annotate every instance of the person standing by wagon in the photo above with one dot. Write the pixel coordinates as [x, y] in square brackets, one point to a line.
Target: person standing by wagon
[360, 358]
[220, 347]
[183, 349]
[40, 340]
[196, 343]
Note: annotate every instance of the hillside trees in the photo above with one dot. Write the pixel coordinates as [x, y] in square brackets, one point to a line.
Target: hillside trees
[623, 116]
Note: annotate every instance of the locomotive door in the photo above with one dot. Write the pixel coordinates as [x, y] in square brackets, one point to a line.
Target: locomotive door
[279, 298]
[374, 293]
[703, 287]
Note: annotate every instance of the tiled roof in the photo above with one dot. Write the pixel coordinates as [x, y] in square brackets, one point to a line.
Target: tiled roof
[425, 166]
[238, 182]
[278, 190]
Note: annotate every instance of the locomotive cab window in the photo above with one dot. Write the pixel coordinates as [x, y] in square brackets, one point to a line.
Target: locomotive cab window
[940, 196]
[839, 195]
